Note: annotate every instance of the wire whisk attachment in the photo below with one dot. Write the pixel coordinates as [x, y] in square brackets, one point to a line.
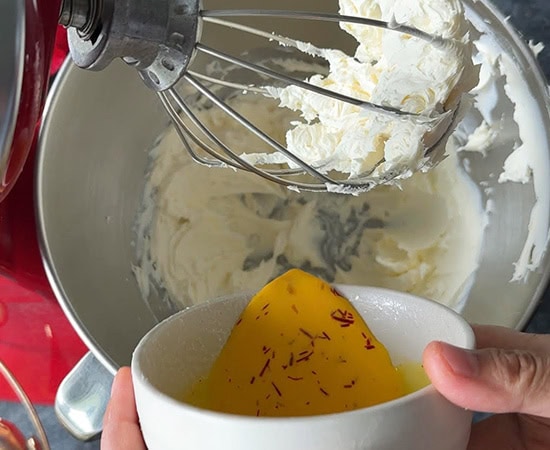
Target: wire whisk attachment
[175, 43]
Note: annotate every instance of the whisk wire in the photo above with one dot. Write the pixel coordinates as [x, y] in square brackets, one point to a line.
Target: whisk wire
[236, 161]
[220, 160]
[186, 133]
[255, 130]
[392, 25]
[302, 84]
[229, 84]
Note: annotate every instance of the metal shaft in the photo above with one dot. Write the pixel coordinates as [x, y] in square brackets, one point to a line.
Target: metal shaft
[156, 37]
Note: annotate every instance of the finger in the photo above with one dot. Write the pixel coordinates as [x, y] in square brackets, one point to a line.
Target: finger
[501, 337]
[496, 433]
[510, 431]
[122, 403]
[120, 425]
[490, 380]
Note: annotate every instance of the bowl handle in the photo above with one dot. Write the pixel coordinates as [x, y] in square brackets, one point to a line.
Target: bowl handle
[82, 398]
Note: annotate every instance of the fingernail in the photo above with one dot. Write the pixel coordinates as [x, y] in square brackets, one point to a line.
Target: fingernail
[462, 362]
[113, 386]
[115, 383]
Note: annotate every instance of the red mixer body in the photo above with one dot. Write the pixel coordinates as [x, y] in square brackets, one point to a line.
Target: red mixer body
[36, 340]
[19, 256]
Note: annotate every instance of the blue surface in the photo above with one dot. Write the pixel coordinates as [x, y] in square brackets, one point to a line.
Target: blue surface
[58, 437]
[532, 18]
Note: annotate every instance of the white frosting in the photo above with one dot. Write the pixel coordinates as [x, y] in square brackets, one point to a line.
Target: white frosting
[536, 47]
[388, 68]
[481, 139]
[522, 164]
[217, 232]
[500, 77]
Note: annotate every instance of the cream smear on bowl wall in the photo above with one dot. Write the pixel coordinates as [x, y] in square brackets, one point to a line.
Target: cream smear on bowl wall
[205, 233]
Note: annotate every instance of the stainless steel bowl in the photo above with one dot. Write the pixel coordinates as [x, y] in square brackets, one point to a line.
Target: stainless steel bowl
[90, 174]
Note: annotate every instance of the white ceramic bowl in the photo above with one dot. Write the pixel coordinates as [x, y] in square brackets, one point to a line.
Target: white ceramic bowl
[173, 355]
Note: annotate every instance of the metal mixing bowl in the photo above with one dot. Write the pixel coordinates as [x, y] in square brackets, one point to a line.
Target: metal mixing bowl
[90, 173]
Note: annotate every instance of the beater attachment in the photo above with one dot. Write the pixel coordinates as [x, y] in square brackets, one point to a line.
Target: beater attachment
[161, 39]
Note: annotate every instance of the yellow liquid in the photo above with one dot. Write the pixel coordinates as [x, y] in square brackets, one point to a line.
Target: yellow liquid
[412, 374]
[300, 349]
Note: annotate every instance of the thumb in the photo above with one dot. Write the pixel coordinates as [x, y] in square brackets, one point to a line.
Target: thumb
[491, 380]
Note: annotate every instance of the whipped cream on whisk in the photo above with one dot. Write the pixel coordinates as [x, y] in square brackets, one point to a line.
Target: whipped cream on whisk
[388, 68]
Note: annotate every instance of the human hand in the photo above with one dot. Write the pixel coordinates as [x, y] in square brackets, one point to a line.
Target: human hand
[121, 429]
[509, 375]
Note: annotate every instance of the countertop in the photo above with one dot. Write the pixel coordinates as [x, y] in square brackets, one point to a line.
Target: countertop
[532, 18]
